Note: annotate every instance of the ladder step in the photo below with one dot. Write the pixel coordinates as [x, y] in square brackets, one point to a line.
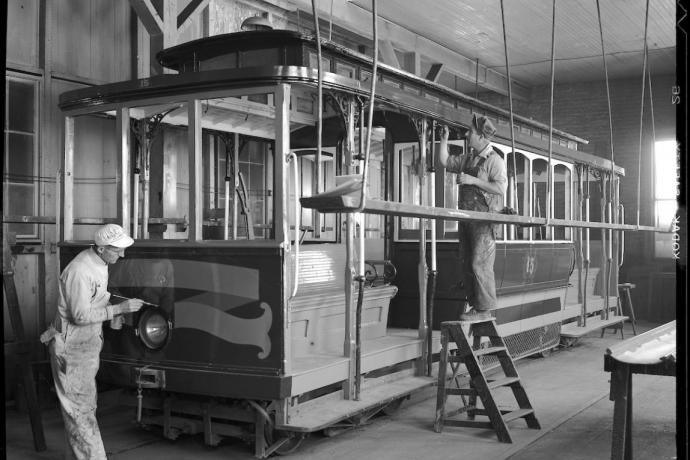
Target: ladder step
[461, 391]
[469, 423]
[488, 351]
[508, 415]
[502, 382]
[460, 410]
[516, 414]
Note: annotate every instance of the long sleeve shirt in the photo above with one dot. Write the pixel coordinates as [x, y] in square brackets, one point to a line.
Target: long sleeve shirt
[492, 170]
[83, 295]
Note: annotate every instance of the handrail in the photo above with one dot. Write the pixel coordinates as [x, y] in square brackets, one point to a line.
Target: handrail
[621, 209]
[292, 157]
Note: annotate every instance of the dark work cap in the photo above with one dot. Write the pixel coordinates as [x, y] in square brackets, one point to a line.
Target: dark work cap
[483, 126]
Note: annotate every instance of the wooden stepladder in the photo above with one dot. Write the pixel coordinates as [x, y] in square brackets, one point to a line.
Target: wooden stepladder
[480, 386]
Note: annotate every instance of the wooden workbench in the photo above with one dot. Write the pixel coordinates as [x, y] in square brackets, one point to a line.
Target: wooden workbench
[651, 353]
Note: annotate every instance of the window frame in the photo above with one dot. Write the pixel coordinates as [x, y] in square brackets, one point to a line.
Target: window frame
[36, 179]
[662, 241]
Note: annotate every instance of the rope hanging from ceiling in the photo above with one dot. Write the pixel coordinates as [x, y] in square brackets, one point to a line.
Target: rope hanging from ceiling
[644, 73]
[510, 106]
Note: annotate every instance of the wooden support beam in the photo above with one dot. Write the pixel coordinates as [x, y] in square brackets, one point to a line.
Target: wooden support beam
[353, 17]
[387, 54]
[186, 17]
[435, 72]
[148, 16]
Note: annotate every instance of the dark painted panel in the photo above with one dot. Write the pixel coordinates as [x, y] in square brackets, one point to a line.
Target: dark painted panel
[229, 384]
[519, 267]
[225, 304]
[528, 310]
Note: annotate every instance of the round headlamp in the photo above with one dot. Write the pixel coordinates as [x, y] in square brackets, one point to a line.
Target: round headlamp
[154, 328]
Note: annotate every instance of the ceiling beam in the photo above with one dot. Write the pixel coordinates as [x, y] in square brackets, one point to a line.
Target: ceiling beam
[358, 20]
[148, 16]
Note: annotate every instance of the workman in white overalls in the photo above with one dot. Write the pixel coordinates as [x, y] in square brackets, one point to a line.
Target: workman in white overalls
[75, 338]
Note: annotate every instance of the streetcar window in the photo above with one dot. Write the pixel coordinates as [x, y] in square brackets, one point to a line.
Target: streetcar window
[562, 199]
[539, 197]
[374, 224]
[665, 189]
[306, 161]
[408, 187]
[517, 193]
[160, 155]
[450, 191]
[94, 172]
[237, 159]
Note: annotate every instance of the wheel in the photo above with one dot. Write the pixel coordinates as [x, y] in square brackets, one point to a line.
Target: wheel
[289, 440]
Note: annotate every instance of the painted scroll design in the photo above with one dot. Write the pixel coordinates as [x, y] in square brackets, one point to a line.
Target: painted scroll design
[233, 329]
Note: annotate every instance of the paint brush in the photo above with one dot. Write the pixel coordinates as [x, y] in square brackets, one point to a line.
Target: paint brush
[128, 298]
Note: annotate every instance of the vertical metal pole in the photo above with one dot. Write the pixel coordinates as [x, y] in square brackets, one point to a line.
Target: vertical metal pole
[349, 347]
[68, 172]
[422, 273]
[122, 127]
[236, 182]
[433, 272]
[319, 118]
[146, 184]
[280, 208]
[196, 170]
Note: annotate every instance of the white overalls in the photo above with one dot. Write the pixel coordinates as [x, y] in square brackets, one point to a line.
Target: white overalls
[75, 340]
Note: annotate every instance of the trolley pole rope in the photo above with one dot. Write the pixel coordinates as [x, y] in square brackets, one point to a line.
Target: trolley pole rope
[644, 74]
[510, 107]
[553, 73]
[609, 246]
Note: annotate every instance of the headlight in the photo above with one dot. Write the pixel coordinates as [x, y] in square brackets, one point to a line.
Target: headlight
[154, 328]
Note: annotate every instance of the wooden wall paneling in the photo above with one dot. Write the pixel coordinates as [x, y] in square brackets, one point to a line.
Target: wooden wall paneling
[23, 25]
[71, 44]
[95, 168]
[103, 41]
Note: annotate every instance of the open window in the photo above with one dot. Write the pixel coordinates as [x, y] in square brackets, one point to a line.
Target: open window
[665, 190]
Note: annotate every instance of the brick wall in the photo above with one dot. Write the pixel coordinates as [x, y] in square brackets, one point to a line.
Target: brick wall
[581, 109]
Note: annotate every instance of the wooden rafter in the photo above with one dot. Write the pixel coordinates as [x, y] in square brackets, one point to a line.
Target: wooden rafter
[148, 16]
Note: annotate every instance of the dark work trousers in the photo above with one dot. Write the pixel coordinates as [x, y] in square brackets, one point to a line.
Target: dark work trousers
[478, 253]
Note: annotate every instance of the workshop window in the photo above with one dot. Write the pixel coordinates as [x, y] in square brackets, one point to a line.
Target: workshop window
[20, 165]
[665, 189]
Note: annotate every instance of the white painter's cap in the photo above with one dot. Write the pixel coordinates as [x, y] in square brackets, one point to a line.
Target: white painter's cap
[112, 235]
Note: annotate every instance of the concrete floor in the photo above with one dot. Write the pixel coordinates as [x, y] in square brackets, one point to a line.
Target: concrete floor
[569, 390]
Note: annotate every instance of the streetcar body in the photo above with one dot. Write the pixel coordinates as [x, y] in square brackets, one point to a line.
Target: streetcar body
[252, 315]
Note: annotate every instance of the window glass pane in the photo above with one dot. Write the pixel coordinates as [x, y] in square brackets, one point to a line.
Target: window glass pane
[409, 183]
[373, 222]
[665, 170]
[517, 194]
[665, 212]
[20, 157]
[20, 182]
[562, 202]
[539, 198]
[450, 190]
[22, 106]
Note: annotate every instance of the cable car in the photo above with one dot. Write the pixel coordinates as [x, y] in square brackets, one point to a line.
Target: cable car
[271, 313]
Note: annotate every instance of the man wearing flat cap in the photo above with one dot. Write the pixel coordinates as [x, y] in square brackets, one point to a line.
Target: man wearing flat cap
[481, 175]
[75, 337]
